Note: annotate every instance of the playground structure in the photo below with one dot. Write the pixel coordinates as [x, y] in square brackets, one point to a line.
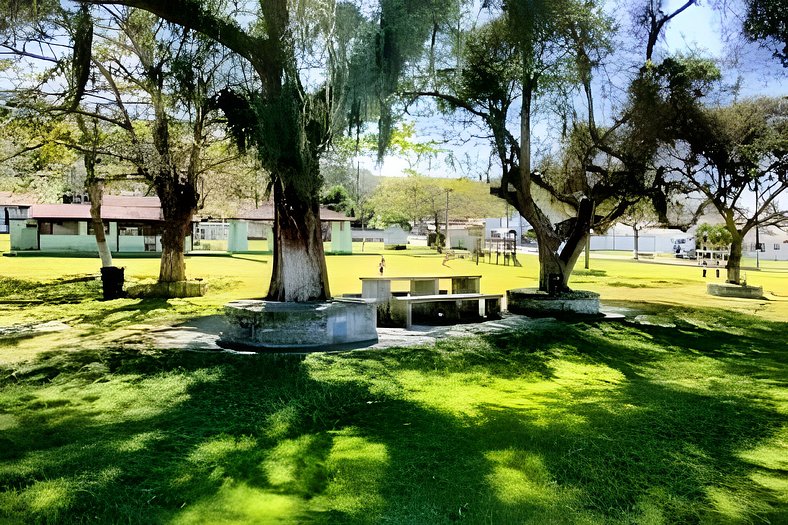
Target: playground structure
[502, 242]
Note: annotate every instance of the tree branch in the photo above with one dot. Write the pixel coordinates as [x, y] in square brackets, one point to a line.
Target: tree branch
[190, 14]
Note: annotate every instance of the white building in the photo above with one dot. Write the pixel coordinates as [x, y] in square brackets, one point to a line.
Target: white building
[622, 237]
[774, 245]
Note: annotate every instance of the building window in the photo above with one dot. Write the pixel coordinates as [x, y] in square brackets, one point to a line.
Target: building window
[92, 230]
[137, 229]
[776, 246]
[58, 227]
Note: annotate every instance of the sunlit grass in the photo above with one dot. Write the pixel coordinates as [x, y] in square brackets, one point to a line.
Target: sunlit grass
[247, 275]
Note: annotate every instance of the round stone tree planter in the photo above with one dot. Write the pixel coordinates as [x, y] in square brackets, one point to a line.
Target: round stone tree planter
[742, 291]
[272, 325]
[535, 303]
[177, 289]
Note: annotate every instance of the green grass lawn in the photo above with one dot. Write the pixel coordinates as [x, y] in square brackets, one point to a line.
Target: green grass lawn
[683, 420]
[559, 423]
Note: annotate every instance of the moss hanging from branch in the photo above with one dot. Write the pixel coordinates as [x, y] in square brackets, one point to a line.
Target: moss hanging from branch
[284, 130]
[80, 61]
[405, 25]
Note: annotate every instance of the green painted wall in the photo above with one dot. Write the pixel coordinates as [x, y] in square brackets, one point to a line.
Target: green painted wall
[22, 236]
[237, 236]
[341, 238]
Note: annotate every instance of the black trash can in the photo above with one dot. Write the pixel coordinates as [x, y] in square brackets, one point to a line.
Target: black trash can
[112, 282]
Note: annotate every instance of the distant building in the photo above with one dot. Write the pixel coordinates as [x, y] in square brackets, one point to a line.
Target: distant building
[621, 237]
[394, 236]
[13, 206]
[131, 224]
[258, 224]
[774, 245]
[514, 222]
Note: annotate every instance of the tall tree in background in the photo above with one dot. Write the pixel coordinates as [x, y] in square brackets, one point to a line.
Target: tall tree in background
[149, 83]
[410, 200]
[731, 154]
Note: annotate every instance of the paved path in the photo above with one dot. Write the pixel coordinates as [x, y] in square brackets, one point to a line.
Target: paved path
[203, 333]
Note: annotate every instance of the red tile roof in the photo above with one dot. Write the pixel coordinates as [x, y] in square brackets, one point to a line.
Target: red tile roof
[137, 202]
[266, 213]
[113, 208]
[82, 212]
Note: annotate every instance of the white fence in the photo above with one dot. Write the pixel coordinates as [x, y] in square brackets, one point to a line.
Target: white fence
[646, 243]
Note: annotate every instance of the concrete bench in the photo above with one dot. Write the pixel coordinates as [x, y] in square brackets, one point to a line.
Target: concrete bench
[645, 255]
[456, 307]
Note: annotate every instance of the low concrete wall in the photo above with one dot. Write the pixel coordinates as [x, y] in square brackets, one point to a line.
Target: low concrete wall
[309, 326]
[238, 236]
[734, 290]
[23, 237]
[68, 243]
[531, 301]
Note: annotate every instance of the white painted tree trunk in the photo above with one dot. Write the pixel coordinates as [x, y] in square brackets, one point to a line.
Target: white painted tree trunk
[96, 191]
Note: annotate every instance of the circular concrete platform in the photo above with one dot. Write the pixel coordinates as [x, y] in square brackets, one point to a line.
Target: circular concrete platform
[299, 326]
[741, 291]
[536, 303]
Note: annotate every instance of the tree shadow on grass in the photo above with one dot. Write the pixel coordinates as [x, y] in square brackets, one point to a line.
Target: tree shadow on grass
[187, 437]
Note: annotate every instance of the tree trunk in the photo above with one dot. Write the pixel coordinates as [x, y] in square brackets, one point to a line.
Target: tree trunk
[637, 239]
[96, 191]
[299, 272]
[438, 244]
[551, 268]
[178, 202]
[569, 256]
[734, 260]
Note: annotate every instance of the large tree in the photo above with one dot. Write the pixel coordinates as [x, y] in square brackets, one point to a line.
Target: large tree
[736, 157]
[299, 59]
[529, 50]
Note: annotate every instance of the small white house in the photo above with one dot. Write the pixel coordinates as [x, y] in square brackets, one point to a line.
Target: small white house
[622, 237]
[774, 245]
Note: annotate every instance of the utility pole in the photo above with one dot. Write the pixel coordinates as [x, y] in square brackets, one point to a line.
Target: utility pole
[588, 238]
[757, 230]
[358, 200]
[446, 244]
[588, 251]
